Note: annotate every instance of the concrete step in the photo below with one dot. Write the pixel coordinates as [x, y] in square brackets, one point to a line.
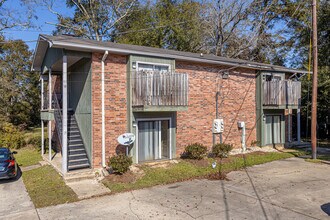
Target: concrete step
[78, 175]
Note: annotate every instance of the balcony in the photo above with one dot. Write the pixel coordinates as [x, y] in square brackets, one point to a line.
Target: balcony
[154, 90]
[281, 93]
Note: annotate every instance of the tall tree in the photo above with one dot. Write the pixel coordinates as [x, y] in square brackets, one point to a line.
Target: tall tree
[299, 39]
[19, 86]
[93, 19]
[10, 18]
[171, 24]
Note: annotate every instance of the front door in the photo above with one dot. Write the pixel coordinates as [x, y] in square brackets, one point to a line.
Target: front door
[273, 130]
[153, 140]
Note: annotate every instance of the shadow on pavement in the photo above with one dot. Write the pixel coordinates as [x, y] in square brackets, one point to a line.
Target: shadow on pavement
[255, 189]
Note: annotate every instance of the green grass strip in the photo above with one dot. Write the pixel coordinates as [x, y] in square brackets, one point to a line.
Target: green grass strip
[27, 157]
[46, 187]
[185, 170]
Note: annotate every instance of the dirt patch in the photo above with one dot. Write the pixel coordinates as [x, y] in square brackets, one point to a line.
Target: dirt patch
[201, 163]
[160, 164]
[128, 177]
[217, 176]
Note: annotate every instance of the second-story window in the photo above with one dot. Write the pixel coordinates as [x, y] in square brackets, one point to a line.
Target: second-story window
[272, 77]
[152, 67]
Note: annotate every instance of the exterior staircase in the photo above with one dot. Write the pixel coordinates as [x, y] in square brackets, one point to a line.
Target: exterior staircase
[77, 156]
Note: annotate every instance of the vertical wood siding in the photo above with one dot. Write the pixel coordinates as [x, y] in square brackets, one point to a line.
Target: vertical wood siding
[152, 88]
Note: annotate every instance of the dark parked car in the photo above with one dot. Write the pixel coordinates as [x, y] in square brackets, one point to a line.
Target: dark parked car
[8, 165]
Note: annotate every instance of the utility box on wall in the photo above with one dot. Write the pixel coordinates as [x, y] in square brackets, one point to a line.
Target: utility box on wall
[240, 124]
[218, 126]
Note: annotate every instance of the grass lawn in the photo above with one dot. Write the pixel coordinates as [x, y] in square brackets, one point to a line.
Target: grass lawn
[46, 187]
[27, 156]
[319, 159]
[187, 169]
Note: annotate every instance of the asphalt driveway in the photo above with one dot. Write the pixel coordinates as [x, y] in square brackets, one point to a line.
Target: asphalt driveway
[15, 202]
[286, 189]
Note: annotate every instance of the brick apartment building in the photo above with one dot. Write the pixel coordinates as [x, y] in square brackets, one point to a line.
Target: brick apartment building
[92, 92]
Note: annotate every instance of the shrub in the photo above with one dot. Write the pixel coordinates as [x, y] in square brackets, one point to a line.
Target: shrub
[120, 163]
[35, 141]
[221, 150]
[195, 151]
[10, 136]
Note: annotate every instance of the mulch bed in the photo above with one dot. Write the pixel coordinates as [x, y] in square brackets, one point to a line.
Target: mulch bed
[128, 177]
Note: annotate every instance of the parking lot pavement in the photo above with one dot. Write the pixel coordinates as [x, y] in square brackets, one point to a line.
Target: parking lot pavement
[15, 201]
[285, 189]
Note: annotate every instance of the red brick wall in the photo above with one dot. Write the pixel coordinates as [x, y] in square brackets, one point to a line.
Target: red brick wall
[115, 104]
[238, 103]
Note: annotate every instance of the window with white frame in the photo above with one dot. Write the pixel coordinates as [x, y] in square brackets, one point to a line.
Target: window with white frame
[152, 67]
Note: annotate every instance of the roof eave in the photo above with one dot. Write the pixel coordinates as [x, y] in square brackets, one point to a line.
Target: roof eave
[41, 40]
[90, 48]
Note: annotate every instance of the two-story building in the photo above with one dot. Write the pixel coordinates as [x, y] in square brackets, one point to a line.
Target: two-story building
[94, 91]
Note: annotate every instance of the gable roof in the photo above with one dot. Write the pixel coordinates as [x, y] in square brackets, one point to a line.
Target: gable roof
[80, 44]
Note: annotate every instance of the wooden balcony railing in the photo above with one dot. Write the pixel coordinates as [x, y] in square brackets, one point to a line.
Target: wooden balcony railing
[281, 93]
[153, 88]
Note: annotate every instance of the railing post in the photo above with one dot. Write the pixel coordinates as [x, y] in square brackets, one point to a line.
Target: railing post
[42, 92]
[49, 108]
[42, 138]
[298, 124]
[42, 122]
[64, 116]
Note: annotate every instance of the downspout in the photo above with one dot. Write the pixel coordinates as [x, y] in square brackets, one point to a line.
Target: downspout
[103, 108]
[217, 110]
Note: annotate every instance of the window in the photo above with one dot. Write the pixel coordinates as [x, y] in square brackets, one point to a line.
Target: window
[153, 67]
[272, 77]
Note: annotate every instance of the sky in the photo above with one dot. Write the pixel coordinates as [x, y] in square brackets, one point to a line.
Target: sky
[43, 16]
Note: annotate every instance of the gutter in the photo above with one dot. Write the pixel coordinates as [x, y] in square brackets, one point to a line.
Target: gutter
[103, 107]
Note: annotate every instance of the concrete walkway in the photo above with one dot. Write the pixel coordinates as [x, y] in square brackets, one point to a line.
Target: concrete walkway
[287, 189]
[15, 201]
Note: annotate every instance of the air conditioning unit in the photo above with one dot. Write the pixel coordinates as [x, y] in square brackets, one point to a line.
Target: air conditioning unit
[218, 126]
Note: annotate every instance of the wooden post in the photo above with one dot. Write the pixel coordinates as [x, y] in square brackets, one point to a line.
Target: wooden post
[289, 125]
[314, 91]
[65, 116]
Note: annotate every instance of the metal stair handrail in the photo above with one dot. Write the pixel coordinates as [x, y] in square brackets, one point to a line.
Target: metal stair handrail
[58, 117]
